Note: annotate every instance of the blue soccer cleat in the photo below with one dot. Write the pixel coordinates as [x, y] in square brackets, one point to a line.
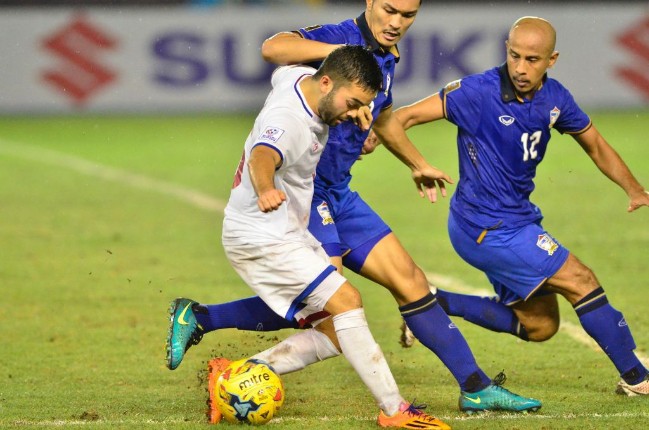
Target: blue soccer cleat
[497, 398]
[184, 331]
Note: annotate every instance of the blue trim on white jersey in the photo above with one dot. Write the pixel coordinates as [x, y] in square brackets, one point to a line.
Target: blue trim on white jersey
[298, 91]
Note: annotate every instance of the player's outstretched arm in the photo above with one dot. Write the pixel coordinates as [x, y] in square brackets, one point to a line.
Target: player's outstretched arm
[427, 178]
[262, 165]
[291, 48]
[425, 110]
[609, 162]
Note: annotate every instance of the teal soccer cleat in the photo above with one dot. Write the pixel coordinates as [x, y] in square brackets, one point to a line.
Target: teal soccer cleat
[184, 331]
[497, 398]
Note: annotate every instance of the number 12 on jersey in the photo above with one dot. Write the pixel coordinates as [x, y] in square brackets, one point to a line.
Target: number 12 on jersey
[529, 145]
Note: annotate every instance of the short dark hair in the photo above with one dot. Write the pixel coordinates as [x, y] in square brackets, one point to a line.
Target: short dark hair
[352, 64]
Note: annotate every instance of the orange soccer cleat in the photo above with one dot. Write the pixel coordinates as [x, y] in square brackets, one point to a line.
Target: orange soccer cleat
[410, 417]
[215, 367]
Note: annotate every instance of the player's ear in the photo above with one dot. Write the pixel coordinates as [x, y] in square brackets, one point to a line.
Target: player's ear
[553, 59]
[326, 84]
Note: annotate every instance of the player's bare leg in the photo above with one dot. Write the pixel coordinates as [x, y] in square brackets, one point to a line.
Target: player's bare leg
[390, 265]
[605, 324]
[539, 316]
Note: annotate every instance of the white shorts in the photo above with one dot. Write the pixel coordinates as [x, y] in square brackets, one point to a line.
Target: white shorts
[295, 279]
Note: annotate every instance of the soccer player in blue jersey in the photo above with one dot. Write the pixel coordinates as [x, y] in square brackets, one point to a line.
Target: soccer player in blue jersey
[505, 117]
[353, 235]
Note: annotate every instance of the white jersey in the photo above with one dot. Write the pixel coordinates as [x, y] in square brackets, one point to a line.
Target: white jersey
[286, 124]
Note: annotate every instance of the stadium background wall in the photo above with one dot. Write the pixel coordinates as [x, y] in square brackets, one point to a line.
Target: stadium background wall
[177, 59]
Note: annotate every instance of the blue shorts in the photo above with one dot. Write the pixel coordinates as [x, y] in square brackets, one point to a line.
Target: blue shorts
[345, 225]
[517, 261]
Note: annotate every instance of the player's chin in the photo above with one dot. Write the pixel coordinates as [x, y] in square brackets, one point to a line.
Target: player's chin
[388, 40]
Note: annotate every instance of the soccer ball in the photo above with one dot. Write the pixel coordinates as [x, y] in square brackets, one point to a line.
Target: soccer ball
[249, 391]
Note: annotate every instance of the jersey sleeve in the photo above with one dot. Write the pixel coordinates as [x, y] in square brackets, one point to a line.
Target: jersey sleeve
[570, 118]
[462, 102]
[327, 33]
[282, 132]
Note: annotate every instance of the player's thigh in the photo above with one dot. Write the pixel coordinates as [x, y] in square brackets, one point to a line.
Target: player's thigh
[539, 315]
[390, 265]
[573, 281]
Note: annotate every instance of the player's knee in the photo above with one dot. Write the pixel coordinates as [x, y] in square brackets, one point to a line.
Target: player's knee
[580, 279]
[543, 329]
[412, 286]
[586, 278]
[346, 298]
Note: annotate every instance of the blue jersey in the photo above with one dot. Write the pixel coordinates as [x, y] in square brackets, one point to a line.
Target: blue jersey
[346, 139]
[501, 140]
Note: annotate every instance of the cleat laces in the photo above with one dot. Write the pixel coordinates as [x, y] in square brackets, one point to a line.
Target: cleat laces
[417, 411]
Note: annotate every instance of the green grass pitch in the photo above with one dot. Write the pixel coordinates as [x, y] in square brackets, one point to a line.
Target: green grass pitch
[104, 220]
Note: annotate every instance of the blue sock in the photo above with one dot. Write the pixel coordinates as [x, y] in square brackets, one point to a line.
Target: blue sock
[246, 314]
[486, 312]
[435, 330]
[609, 329]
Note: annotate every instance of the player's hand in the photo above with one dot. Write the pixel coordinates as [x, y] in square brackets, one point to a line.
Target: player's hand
[271, 200]
[370, 143]
[638, 201]
[362, 117]
[428, 179]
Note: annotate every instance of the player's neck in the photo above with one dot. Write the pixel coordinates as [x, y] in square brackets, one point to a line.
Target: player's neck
[311, 90]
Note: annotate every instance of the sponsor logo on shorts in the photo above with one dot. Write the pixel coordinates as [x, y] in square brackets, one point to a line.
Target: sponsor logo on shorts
[546, 243]
[622, 323]
[323, 211]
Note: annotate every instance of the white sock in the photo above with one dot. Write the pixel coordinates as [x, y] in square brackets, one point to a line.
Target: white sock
[365, 356]
[298, 351]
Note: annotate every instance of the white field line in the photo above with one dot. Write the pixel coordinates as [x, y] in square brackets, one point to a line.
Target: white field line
[53, 158]
[339, 419]
[206, 202]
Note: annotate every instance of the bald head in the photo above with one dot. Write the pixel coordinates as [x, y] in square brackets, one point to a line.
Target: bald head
[530, 53]
[535, 27]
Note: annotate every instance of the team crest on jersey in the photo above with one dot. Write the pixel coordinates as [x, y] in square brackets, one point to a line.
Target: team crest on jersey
[452, 86]
[323, 211]
[506, 119]
[271, 134]
[546, 243]
[554, 116]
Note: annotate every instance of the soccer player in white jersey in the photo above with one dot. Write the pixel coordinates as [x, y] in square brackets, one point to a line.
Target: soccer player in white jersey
[265, 232]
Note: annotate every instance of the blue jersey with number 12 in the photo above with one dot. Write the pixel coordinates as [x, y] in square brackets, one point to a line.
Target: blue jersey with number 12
[501, 140]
